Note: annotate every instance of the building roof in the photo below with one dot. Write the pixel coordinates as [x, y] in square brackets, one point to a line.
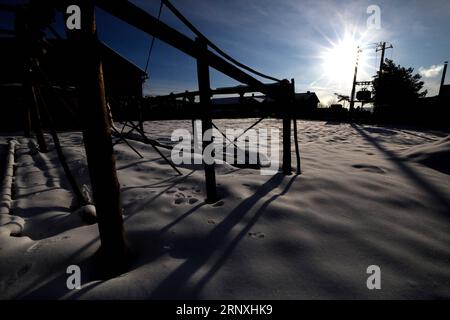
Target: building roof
[59, 57]
[308, 96]
[234, 100]
[123, 59]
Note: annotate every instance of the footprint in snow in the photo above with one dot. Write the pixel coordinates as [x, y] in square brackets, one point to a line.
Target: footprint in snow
[179, 200]
[196, 189]
[368, 168]
[192, 200]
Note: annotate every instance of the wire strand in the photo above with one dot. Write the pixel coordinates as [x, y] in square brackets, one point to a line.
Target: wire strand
[153, 39]
[212, 45]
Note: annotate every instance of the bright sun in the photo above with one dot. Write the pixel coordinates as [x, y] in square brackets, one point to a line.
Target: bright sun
[338, 60]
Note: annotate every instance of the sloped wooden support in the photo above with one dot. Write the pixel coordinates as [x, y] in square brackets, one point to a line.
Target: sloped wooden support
[36, 122]
[76, 189]
[135, 16]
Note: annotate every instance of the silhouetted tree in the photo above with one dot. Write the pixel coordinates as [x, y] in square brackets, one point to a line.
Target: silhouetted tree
[396, 90]
[342, 97]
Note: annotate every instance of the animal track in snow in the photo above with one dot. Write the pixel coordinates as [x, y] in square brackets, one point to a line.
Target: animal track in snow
[179, 200]
[192, 200]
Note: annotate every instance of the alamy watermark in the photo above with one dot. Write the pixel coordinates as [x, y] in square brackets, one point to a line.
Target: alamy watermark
[374, 20]
[258, 147]
[374, 280]
[73, 21]
[74, 279]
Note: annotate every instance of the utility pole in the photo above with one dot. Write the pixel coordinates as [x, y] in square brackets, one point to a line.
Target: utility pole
[382, 47]
[352, 95]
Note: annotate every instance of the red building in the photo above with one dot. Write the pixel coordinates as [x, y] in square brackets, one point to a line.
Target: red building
[123, 79]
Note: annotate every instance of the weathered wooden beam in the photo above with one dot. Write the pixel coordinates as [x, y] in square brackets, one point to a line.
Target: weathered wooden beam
[76, 189]
[135, 16]
[242, 89]
[26, 48]
[205, 103]
[98, 144]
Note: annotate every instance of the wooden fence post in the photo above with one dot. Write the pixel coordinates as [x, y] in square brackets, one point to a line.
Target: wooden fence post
[98, 144]
[286, 100]
[205, 103]
[294, 120]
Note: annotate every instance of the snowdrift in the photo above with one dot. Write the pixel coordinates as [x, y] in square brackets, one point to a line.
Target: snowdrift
[435, 155]
[360, 201]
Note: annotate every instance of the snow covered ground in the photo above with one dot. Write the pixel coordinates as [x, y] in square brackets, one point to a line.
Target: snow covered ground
[368, 195]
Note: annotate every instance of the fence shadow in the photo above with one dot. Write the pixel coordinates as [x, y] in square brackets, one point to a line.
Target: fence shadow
[426, 186]
[174, 286]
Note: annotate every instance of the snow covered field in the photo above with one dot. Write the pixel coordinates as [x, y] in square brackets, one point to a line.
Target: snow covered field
[368, 195]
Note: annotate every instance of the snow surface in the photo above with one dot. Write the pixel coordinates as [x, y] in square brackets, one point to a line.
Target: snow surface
[367, 196]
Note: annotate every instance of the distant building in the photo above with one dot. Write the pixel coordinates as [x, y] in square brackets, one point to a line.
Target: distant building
[122, 77]
[123, 80]
[305, 103]
[307, 100]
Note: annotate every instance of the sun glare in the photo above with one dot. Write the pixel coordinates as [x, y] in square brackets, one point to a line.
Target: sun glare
[338, 60]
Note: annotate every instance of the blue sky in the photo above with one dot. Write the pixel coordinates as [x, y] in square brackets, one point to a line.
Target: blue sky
[291, 39]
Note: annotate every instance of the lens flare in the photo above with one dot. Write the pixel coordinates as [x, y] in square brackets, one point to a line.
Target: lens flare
[339, 57]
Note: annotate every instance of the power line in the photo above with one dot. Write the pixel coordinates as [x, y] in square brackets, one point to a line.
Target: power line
[382, 47]
[153, 38]
[212, 45]
[376, 60]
